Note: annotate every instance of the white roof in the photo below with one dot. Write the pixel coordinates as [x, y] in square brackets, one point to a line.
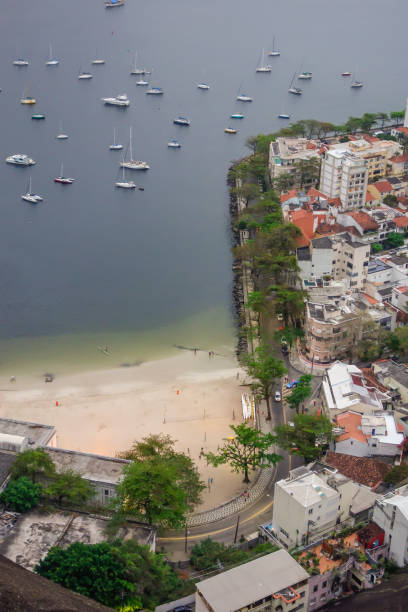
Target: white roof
[401, 502]
[307, 490]
[251, 581]
[392, 436]
[341, 392]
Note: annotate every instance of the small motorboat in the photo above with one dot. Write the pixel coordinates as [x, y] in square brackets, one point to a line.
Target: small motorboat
[346, 73]
[236, 116]
[142, 83]
[85, 76]
[98, 62]
[283, 116]
[230, 130]
[37, 117]
[121, 100]
[356, 84]
[203, 86]
[295, 91]
[174, 144]
[20, 159]
[114, 3]
[306, 76]
[244, 98]
[181, 121]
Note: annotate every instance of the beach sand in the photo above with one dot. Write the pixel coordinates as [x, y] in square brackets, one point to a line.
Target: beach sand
[194, 398]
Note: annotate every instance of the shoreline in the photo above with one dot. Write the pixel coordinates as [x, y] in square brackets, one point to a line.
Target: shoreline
[193, 398]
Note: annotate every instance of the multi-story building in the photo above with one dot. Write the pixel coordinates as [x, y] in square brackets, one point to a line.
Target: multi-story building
[350, 260]
[391, 514]
[275, 582]
[285, 153]
[330, 332]
[344, 175]
[368, 435]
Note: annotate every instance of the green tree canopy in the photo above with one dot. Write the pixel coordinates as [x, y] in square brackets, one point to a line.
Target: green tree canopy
[248, 448]
[34, 464]
[301, 392]
[284, 182]
[376, 247]
[69, 487]
[307, 437]
[116, 574]
[21, 494]
[208, 554]
[290, 334]
[161, 448]
[394, 240]
[400, 340]
[391, 200]
[264, 368]
[397, 474]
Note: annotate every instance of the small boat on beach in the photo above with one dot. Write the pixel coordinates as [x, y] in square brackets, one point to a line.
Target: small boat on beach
[181, 121]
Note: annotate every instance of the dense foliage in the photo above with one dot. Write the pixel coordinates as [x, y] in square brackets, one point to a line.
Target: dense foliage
[210, 555]
[118, 574]
[306, 436]
[301, 392]
[21, 494]
[397, 474]
[34, 464]
[69, 487]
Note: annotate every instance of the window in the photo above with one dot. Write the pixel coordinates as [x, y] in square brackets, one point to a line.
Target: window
[324, 584]
[302, 594]
[311, 511]
[106, 492]
[316, 586]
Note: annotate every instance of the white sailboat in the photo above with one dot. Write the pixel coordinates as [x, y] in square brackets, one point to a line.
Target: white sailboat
[61, 135]
[115, 146]
[142, 83]
[241, 97]
[138, 71]
[133, 164]
[84, 75]
[124, 184]
[356, 84]
[174, 144]
[97, 61]
[294, 90]
[31, 197]
[275, 52]
[263, 68]
[52, 61]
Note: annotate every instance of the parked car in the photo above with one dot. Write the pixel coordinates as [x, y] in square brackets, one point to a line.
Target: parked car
[279, 316]
[277, 396]
[182, 609]
[292, 384]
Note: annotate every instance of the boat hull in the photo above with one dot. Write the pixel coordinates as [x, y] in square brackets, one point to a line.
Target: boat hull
[63, 181]
[131, 165]
[126, 185]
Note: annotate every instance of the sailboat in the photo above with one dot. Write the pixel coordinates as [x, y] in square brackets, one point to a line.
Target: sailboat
[133, 164]
[174, 144]
[26, 99]
[142, 83]
[283, 116]
[275, 52]
[97, 61]
[230, 130]
[63, 179]
[52, 61]
[84, 75]
[263, 67]
[138, 71]
[61, 135]
[123, 184]
[115, 146]
[31, 197]
[305, 76]
[294, 90]
[241, 97]
[20, 62]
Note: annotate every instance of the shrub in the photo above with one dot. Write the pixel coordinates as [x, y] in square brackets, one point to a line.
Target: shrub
[21, 495]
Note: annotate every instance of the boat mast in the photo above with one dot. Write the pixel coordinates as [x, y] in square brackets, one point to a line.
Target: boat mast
[130, 143]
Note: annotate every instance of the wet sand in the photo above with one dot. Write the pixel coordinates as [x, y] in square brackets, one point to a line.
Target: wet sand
[194, 398]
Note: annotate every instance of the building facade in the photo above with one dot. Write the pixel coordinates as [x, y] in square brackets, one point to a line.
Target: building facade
[344, 176]
[391, 514]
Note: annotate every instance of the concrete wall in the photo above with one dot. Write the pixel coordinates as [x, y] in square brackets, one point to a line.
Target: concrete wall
[395, 525]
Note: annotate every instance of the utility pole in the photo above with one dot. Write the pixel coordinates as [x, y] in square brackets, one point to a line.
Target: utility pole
[185, 539]
[236, 530]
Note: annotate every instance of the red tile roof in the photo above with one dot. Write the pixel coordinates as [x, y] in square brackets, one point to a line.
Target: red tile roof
[315, 192]
[364, 220]
[363, 470]
[304, 220]
[401, 221]
[288, 195]
[310, 145]
[335, 201]
[383, 186]
[399, 159]
[350, 421]
[369, 299]
[403, 130]
[369, 197]
[370, 139]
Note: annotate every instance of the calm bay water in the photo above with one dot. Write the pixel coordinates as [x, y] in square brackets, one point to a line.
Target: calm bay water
[141, 271]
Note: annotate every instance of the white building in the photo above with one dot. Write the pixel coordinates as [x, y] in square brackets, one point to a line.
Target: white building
[275, 582]
[368, 435]
[303, 505]
[344, 388]
[391, 514]
[344, 175]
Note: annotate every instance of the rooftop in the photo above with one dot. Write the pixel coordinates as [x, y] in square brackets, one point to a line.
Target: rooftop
[36, 433]
[250, 582]
[6, 462]
[391, 369]
[351, 423]
[364, 470]
[345, 387]
[307, 489]
[96, 468]
[363, 219]
[322, 243]
[383, 186]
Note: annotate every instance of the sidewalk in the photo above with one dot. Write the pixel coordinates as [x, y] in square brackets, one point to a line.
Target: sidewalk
[304, 366]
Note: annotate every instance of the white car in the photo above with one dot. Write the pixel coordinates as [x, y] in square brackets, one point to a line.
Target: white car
[277, 396]
[279, 316]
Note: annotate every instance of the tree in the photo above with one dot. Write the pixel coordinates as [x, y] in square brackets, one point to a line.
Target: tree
[290, 334]
[376, 247]
[397, 474]
[309, 171]
[394, 240]
[284, 182]
[208, 554]
[70, 487]
[383, 117]
[159, 447]
[307, 437]
[401, 337]
[398, 116]
[290, 303]
[118, 574]
[246, 191]
[265, 369]
[302, 391]
[33, 464]
[248, 448]
[391, 200]
[151, 491]
[353, 124]
[367, 121]
[257, 301]
[21, 494]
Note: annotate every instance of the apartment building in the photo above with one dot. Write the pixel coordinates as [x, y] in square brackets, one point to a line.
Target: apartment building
[285, 153]
[275, 582]
[350, 260]
[344, 175]
[368, 435]
[391, 514]
[331, 331]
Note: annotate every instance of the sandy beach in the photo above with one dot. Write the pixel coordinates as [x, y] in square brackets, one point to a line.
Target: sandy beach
[194, 398]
